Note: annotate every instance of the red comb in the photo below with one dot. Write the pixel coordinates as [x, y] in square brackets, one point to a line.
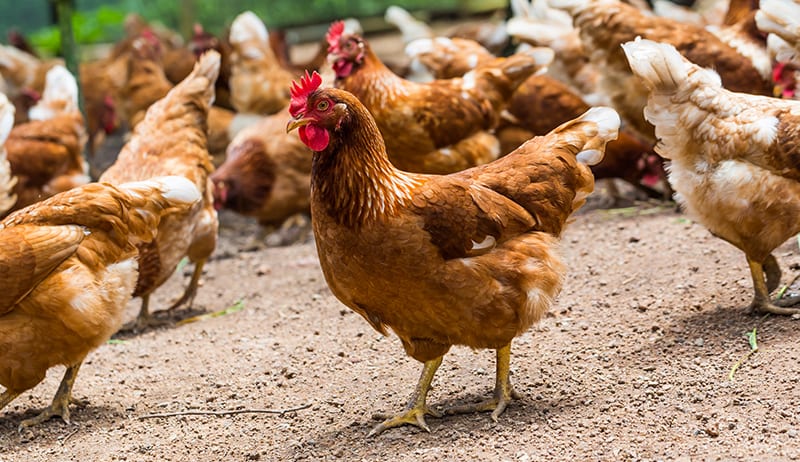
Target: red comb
[300, 92]
[334, 34]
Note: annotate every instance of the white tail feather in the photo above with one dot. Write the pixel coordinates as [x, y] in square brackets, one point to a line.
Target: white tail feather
[780, 17]
[607, 121]
[353, 26]
[572, 6]
[659, 65]
[520, 8]
[780, 50]
[176, 189]
[409, 26]
[7, 180]
[246, 27]
[60, 95]
[603, 127]
[6, 118]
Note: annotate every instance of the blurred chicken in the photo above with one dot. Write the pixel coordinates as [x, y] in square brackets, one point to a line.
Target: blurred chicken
[739, 11]
[606, 24]
[100, 81]
[23, 77]
[69, 267]
[733, 158]
[491, 33]
[259, 84]
[7, 179]
[781, 19]
[203, 41]
[279, 46]
[463, 259]
[171, 140]
[410, 27]
[539, 105]
[445, 58]
[535, 23]
[266, 176]
[20, 42]
[749, 41]
[436, 127]
[146, 83]
[46, 153]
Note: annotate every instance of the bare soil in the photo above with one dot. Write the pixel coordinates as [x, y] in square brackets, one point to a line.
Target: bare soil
[632, 363]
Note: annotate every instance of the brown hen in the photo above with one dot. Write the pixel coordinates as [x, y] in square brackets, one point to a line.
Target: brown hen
[463, 259]
[266, 173]
[734, 158]
[46, 153]
[606, 24]
[434, 127]
[69, 265]
[171, 140]
[259, 84]
[540, 104]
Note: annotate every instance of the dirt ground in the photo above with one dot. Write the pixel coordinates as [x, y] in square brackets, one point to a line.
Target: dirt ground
[632, 363]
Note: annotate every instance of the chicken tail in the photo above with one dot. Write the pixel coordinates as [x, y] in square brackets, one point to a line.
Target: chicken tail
[198, 84]
[782, 18]
[60, 95]
[248, 30]
[18, 63]
[520, 8]
[409, 26]
[573, 6]
[496, 80]
[7, 180]
[151, 199]
[663, 69]
[592, 131]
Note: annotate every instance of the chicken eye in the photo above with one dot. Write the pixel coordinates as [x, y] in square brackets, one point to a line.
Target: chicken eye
[322, 106]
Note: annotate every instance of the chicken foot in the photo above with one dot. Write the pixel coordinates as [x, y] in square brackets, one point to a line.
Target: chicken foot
[761, 302]
[191, 290]
[416, 408]
[62, 399]
[503, 392]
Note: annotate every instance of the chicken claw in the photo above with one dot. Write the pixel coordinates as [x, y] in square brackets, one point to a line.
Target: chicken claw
[761, 302]
[503, 393]
[60, 405]
[416, 409]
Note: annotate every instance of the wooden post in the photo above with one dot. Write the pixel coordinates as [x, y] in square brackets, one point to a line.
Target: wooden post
[69, 50]
[186, 18]
[65, 9]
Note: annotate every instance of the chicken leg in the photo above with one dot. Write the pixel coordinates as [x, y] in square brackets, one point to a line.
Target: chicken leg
[60, 405]
[191, 290]
[503, 393]
[416, 408]
[761, 301]
[7, 397]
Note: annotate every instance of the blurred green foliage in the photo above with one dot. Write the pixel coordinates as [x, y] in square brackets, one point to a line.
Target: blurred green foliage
[97, 26]
[101, 20]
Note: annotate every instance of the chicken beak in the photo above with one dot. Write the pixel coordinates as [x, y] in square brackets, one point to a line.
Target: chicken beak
[296, 123]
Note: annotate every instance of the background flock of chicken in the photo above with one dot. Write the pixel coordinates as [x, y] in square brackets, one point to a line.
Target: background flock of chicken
[436, 212]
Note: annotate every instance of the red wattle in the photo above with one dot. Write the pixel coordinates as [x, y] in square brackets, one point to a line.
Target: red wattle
[314, 137]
